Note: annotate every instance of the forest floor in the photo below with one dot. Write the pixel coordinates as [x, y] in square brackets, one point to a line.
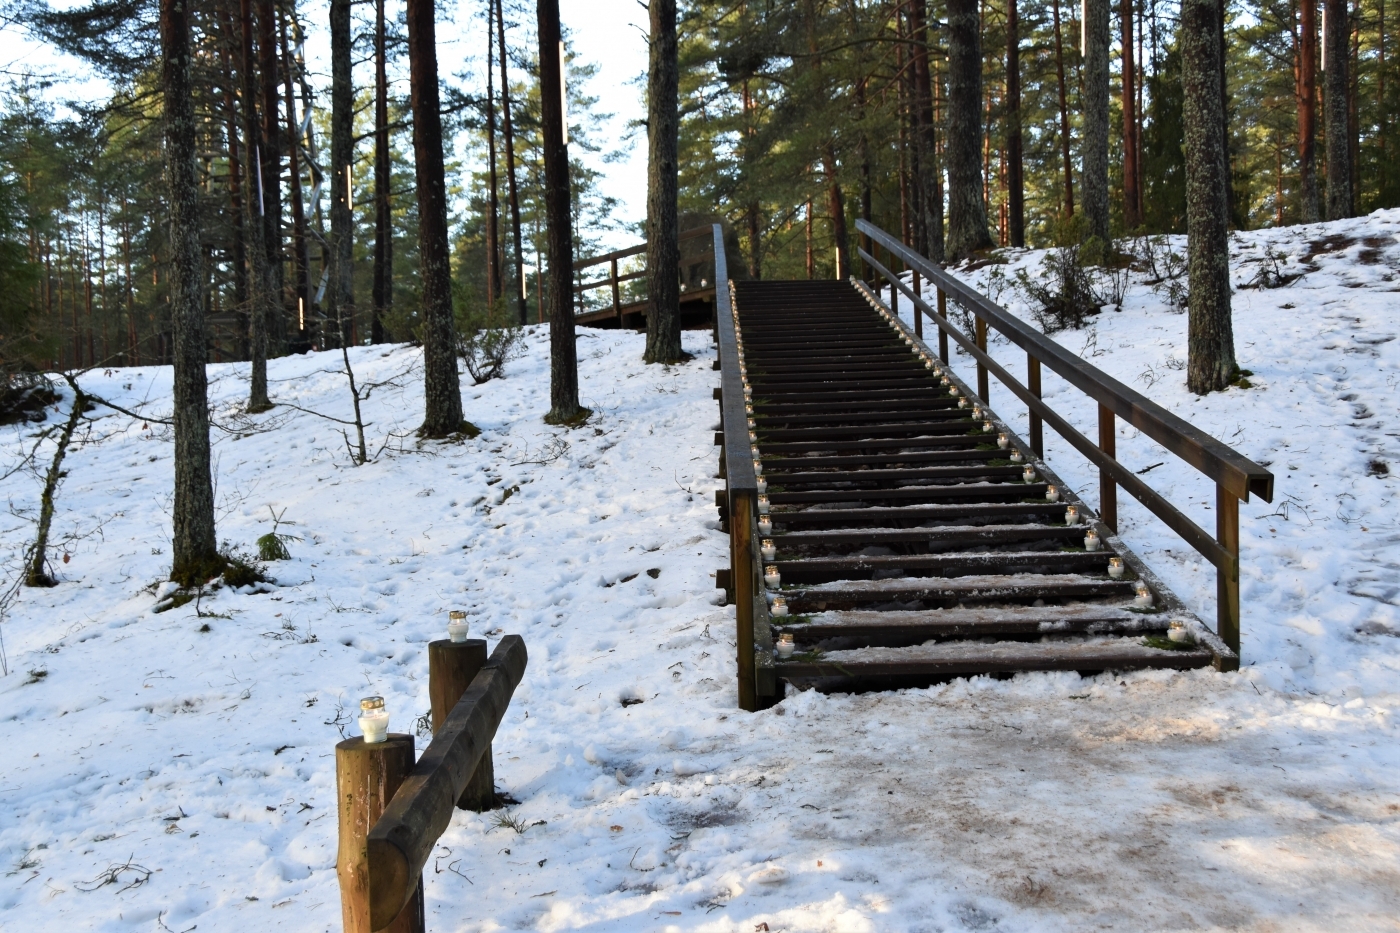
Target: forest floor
[174, 770]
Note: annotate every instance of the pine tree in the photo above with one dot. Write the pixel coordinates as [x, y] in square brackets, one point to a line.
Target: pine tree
[663, 249]
[967, 215]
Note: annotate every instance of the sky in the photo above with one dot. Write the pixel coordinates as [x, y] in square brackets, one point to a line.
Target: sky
[610, 34]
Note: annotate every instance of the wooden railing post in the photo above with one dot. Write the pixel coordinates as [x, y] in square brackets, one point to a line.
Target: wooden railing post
[741, 544]
[983, 388]
[918, 315]
[894, 290]
[366, 778]
[1108, 489]
[1227, 578]
[616, 292]
[1037, 425]
[943, 334]
[451, 667]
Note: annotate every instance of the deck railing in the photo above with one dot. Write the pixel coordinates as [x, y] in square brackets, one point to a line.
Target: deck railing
[1235, 476]
[614, 279]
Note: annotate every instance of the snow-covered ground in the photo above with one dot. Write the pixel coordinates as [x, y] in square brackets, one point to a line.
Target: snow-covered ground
[194, 767]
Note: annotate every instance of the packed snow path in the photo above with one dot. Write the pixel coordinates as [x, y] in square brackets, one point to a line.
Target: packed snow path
[1263, 800]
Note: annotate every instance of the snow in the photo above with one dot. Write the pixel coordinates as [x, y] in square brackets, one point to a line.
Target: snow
[1268, 799]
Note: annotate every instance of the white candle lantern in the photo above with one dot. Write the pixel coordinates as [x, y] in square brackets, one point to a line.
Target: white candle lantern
[944, 380]
[753, 450]
[987, 427]
[1052, 494]
[1180, 632]
[1115, 568]
[765, 525]
[752, 424]
[1016, 456]
[374, 720]
[1091, 540]
[769, 550]
[753, 437]
[763, 505]
[771, 578]
[1003, 441]
[953, 391]
[962, 403]
[748, 409]
[1143, 599]
[762, 485]
[748, 394]
[757, 467]
[785, 646]
[1028, 474]
[977, 412]
[1072, 516]
[779, 606]
[457, 625]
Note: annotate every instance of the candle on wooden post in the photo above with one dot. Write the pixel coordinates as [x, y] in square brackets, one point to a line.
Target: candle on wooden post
[367, 776]
[451, 667]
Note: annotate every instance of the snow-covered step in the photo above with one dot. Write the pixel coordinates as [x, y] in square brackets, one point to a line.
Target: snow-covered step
[990, 588]
[958, 563]
[971, 622]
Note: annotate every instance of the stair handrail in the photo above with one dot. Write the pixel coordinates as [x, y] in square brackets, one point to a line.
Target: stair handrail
[1234, 474]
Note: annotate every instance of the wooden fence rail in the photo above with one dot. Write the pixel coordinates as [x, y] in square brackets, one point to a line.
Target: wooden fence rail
[613, 280]
[1235, 475]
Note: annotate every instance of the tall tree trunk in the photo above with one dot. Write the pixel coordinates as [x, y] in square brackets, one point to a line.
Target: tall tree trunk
[663, 247]
[836, 207]
[1306, 90]
[442, 394]
[301, 285]
[1015, 178]
[811, 253]
[510, 162]
[1210, 342]
[342, 159]
[272, 174]
[195, 552]
[382, 294]
[1094, 154]
[1065, 144]
[1132, 201]
[1336, 55]
[493, 201]
[235, 187]
[926, 140]
[564, 407]
[967, 215]
[261, 293]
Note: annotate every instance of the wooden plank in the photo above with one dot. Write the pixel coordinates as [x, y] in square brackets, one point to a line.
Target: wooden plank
[1006, 657]
[399, 844]
[972, 623]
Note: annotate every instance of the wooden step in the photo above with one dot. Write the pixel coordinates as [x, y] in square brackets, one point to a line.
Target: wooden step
[948, 592]
[932, 624]
[809, 570]
[930, 538]
[885, 516]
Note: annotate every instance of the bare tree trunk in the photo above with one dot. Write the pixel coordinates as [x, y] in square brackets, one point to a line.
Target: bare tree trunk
[1015, 177]
[342, 159]
[1306, 50]
[493, 201]
[930, 193]
[36, 559]
[510, 162]
[663, 247]
[811, 254]
[1094, 154]
[1210, 342]
[442, 394]
[1132, 201]
[383, 285]
[967, 215]
[261, 293]
[755, 257]
[836, 207]
[272, 174]
[564, 407]
[1336, 55]
[195, 558]
[1064, 113]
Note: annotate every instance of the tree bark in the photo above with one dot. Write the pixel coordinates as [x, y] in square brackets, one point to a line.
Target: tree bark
[1094, 154]
[930, 196]
[342, 245]
[1210, 342]
[564, 407]
[1064, 113]
[510, 163]
[442, 395]
[836, 207]
[1132, 199]
[1015, 176]
[493, 201]
[272, 174]
[1336, 55]
[967, 215]
[1306, 89]
[235, 191]
[301, 288]
[382, 286]
[663, 247]
[260, 285]
[195, 552]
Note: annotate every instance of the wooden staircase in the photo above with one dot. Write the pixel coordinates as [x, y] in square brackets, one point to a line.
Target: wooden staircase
[909, 545]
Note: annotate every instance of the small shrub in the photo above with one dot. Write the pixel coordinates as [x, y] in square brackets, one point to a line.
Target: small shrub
[1064, 297]
[487, 339]
[272, 547]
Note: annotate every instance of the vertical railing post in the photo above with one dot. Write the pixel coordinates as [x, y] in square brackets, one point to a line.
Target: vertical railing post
[1037, 424]
[451, 667]
[1227, 578]
[366, 779]
[616, 293]
[918, 315]
[943, 334]
[894, 289]
[1108, 489]
[983, 388]
[741, 563]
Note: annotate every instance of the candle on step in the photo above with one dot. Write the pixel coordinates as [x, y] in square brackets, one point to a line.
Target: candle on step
[1115, 568]
[945, 380]
[768, 549]
[374, 720]
[1003, 441]
[1016, 456]
[1143, 599]
[1091, 540]
[457, 625]
[962, 403]
[785, 646]
[1028, 474]
[762, 485]
[1180, 632]
[779, 606]
[765, 525]
[977, 412]
[771, 578]
[1052, 494]
[1072, 515]
[987, 427]
[752, 424]
[763, 505]
[757, 467]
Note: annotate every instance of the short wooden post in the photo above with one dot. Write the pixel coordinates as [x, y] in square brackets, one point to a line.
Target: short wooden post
[1037, 424]
[918, 315]
[942, 334]
[1108, 489]
[983, 388]
[616, 293]
[1227, 578]
[741, 550]
[451, 667]
[366, 779]
[894, 283]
